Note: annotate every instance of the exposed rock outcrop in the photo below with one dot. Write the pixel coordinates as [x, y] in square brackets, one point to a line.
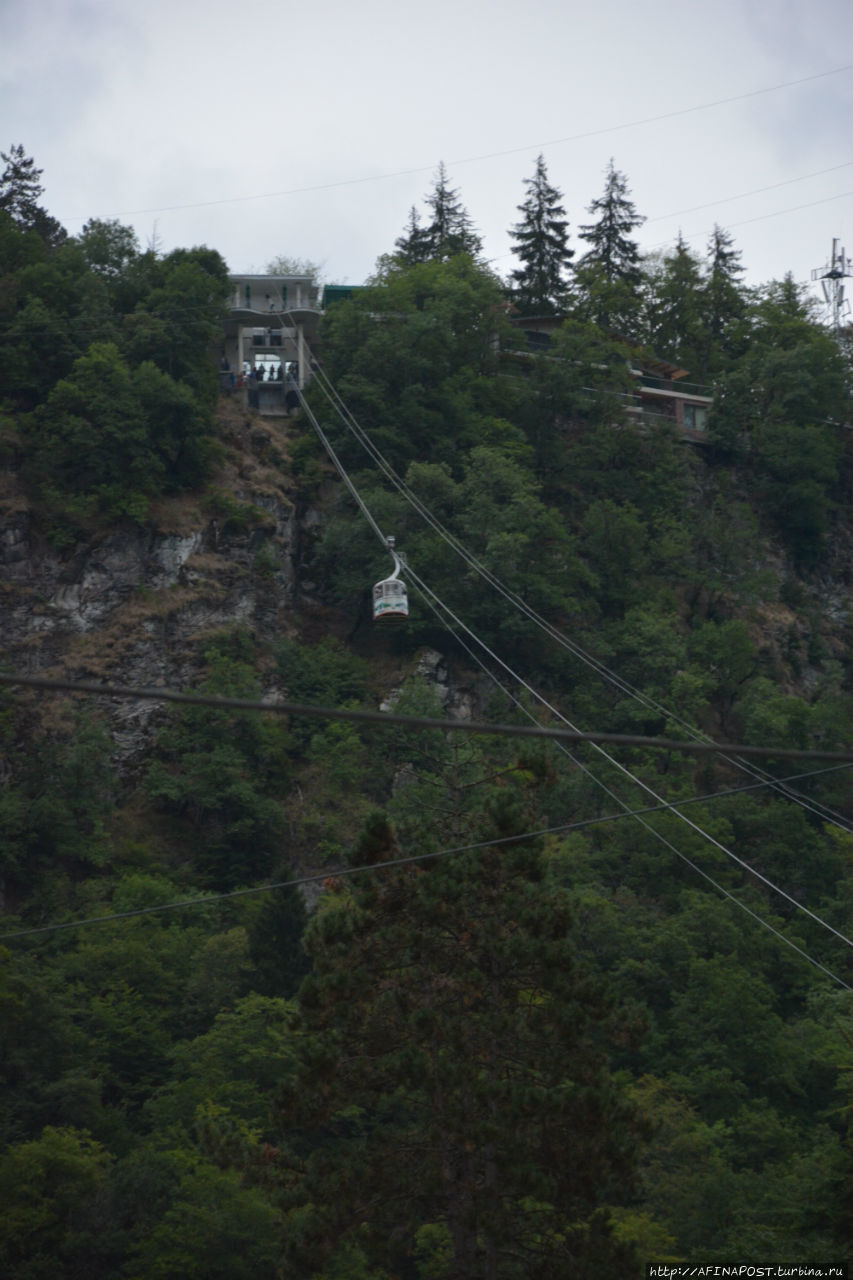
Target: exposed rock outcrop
[131, 604]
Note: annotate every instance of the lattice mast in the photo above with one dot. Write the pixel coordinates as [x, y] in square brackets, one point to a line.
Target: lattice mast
[832, 278]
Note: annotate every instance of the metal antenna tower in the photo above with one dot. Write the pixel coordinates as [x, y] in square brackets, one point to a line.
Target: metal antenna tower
[832, 278]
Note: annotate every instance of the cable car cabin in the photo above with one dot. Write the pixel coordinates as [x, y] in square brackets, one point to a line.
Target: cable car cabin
[390, 601]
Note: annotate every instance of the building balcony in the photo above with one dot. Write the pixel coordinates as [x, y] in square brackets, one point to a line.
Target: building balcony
[290, 300]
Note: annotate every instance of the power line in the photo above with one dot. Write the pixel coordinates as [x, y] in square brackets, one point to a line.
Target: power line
[344, 872]
[649, 790]
[745, 866]
[699, 830]
[657, 834]
[351, 422]
[756, 191]
[391, 719]
[638, 814]
[522, 605]
[743, 222]
[244, 704]
[488, 155]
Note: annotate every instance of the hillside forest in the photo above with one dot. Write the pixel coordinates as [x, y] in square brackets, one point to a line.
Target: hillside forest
[589, 1006]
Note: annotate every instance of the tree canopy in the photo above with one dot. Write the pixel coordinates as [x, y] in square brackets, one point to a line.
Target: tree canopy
[506, 1025]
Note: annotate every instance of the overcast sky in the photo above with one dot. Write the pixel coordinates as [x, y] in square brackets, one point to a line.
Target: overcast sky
[310, 129]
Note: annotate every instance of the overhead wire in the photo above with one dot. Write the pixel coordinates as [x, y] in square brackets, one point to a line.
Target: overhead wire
[141, 693]
[661, 801]
[523, 606]
[741, 862]
[615, 763]
[349, 419]
[639, 816]
[338, 873]
[756, 191]
[488, 155]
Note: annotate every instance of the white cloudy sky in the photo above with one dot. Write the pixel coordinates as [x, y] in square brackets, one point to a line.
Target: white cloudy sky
[309, 129]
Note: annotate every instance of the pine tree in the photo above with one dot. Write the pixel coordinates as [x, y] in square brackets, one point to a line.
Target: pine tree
[542, 245]
[610, 270]
[451, 230]
[413, 245]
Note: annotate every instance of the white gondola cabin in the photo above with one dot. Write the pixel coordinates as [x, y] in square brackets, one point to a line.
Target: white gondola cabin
[390, 598]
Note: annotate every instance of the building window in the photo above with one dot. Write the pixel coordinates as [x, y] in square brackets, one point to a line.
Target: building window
[695, 416]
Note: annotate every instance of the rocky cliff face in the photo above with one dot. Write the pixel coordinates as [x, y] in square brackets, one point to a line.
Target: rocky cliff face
[133, 604]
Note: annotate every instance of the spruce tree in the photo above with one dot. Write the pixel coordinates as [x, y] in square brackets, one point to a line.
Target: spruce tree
[725, 304]
[610, 270]
[413, 245]
[675, 319]
[540, 285]
[450, 230]
[612, 248]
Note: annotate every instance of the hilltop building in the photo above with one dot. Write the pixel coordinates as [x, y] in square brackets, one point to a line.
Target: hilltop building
[661, 389]
[273, 324]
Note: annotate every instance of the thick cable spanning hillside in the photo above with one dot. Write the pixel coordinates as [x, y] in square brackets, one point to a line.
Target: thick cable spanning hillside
[610, 676]
[444, 611]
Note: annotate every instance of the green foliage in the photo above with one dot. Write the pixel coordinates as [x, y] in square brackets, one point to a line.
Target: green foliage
[53, 1192]
[727, 654]
[90, 440]
[780, 403]
[415, 357]
[237, 1063]
[108, 246]
[275, 944]
[222, 774]
[236, 517]
[54, 309]
[215, 1229]
[615, 542]
[108, 439]
[675, 323]
[799, 469]
[178, 429]
[325, 674]
[61, 824]
[724, 303]
[181, 317]
[539, 284]
[19, 190]
[460, 1051]
[608, 274]
[452, 1090]
[107, 351]
[449, 231]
